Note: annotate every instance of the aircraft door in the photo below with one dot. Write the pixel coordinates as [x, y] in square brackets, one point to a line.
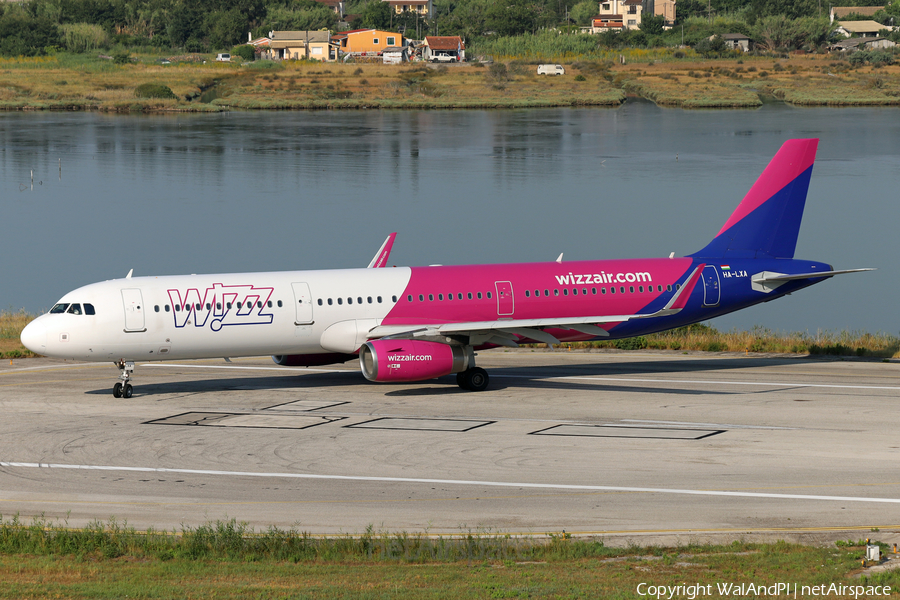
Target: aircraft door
[302, 304]
[505, 300]
[134, 310]
[711, 286]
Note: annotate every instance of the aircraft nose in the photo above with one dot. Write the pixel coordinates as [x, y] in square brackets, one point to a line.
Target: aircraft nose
[34, 336]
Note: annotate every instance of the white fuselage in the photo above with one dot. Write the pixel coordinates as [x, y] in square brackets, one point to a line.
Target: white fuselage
[201, 316]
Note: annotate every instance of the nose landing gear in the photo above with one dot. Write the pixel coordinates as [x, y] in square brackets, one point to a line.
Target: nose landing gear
[123, 389]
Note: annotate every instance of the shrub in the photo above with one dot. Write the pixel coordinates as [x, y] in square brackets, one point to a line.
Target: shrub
[121, 57]
[635, 343]
[580, 78]
[245, 51]
[153, 90]
[81, 37]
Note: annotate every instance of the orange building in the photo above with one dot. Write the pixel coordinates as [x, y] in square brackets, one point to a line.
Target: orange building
[367, 41]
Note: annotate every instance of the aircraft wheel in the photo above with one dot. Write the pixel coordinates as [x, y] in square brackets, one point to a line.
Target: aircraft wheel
[476, 379]
[117, 390]
[127, 391]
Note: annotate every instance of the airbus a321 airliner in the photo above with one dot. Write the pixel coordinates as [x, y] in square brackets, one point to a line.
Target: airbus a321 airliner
[417, 323]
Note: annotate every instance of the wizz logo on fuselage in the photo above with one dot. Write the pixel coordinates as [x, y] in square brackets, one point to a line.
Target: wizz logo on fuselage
[222, 305]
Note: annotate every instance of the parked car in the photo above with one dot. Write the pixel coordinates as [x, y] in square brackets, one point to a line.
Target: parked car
[225, 57]
[443, 58]
[551, 70]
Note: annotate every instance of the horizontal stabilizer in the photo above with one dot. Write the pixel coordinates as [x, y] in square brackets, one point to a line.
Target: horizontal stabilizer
[767, 281]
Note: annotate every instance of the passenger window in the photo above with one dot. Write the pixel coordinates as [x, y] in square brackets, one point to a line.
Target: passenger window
[594, 291]
[330, 302]
[218, 306]
[479, 295]
[668, 288]
[359, 300]
[449, 296]
[565, 291]
[340, 300]
[167, 308]
[459, 297]
[489, 295]
[349, 300]
[89, 309]
[198, 306]
[574, 291]
[440, 296]
[603, 291]
[269, 303]
[156, 308]
[421, 298]
[431, 297]
[279, 304]
[622, 289]
[527, 294]
[393, 298]
[177, 308]
[546, 292]
[228, 305]
[677, 286]
[59, 308]
[239, 305]
[208, 306]
[640, 288]
[612, 290]
[319, 301]
[469, 295]
[584, 291]
[258, 304]
[409, 298]
[556, 292]
[369, 299]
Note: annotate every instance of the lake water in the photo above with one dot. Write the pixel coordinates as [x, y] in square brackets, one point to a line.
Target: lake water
[302, 190]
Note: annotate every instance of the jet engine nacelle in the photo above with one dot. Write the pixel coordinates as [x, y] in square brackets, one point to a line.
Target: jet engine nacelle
[412, 360]
[311, 360]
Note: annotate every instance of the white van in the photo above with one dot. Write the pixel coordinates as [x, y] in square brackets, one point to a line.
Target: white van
[551, 70]
[223, 57]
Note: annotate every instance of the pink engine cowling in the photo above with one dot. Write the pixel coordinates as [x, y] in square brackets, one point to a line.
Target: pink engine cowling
[412, 360]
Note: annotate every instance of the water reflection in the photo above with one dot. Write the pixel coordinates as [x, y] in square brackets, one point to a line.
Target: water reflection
[287, 190]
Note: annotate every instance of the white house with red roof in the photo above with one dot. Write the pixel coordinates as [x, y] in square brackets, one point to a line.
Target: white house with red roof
[443, 48]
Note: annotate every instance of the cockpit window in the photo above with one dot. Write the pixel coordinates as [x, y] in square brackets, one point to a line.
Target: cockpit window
[59, 308]
[89, 309]
[74, 309]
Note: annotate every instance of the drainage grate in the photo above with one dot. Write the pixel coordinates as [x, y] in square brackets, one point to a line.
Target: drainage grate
[245, 420]
[456, 425]
[625, 431]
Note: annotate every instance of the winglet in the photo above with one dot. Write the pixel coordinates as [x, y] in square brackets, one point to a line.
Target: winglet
[381, 257]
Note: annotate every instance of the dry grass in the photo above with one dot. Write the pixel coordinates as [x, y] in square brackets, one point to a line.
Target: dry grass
[88, 83]
[11, 325]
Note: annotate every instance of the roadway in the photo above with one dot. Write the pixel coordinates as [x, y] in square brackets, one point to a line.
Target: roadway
[635, 447]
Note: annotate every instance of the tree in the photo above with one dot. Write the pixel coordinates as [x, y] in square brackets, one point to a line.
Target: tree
[512, 17]
[23, 35]
[226, 27]
[376, 15]
[652, 24]
[583, 12]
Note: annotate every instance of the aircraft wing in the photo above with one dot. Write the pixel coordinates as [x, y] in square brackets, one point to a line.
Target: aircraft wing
[506, 332]
[381, 257]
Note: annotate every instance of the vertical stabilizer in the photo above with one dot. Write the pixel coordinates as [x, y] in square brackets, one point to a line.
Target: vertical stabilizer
[767, 221]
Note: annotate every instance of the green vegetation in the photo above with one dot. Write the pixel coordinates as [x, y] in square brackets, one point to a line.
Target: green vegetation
[230, 560]
[153, 90]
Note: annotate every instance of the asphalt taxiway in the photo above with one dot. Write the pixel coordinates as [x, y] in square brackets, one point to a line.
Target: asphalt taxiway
[633, 447]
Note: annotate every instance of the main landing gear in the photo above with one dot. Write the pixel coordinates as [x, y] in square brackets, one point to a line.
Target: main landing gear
[123, 389]
[475, 379]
